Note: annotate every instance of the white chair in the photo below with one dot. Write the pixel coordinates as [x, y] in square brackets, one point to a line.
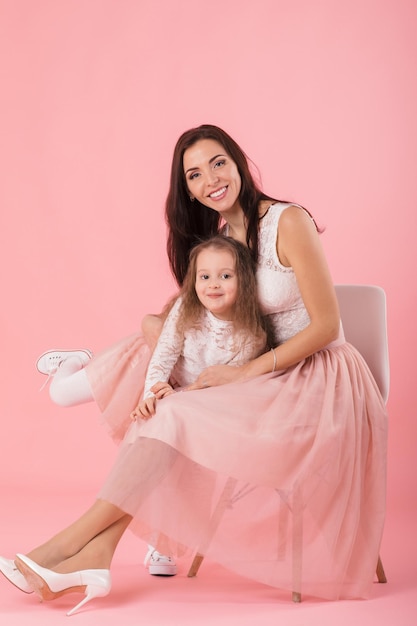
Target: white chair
[363, 314]
[363, 311]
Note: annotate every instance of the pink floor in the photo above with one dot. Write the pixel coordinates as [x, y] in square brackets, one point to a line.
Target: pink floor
[215, 597]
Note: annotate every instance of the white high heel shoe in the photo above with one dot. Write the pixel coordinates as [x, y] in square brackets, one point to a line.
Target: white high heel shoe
[94, 583]
[10, 571]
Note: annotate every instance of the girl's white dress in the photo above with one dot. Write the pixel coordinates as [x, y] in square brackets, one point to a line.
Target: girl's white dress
[210, 341]
[305, 447]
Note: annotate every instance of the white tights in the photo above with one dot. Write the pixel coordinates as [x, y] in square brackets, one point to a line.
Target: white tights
[70, 385]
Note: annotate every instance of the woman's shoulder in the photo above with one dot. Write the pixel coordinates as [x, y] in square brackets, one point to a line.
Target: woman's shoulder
[287, 213]
[295, 216]
[275, 207]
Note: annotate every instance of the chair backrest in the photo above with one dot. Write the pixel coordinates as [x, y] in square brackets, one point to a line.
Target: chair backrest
[363, 311]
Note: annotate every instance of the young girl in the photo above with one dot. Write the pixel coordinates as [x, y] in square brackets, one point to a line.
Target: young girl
[215, 320]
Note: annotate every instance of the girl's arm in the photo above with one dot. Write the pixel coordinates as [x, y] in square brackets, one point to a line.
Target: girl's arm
[298, 246]
[166, 352]
[165, 355]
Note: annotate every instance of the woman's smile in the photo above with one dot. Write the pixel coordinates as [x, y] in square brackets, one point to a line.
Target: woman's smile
[212, 177]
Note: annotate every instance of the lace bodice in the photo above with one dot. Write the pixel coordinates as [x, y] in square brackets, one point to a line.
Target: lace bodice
[210, 342]
[278, 291]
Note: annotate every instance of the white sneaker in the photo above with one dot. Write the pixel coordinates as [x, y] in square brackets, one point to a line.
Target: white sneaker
[159, 564]
[49, 362]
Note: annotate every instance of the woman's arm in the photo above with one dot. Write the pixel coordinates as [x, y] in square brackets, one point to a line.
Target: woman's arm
[298, 246]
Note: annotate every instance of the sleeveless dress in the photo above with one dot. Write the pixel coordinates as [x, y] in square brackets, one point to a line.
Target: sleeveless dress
[305, 449]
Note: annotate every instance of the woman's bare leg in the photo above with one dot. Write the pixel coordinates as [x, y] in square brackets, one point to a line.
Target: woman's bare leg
[97, 553]
[151, 329]
[102, 516]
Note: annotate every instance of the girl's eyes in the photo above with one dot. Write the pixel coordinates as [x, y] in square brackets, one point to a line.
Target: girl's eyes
[224, 276]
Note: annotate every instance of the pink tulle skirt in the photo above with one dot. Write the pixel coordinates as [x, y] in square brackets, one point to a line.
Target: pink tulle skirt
[296, 459]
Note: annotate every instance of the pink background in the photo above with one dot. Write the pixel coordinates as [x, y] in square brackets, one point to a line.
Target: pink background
[322, 95]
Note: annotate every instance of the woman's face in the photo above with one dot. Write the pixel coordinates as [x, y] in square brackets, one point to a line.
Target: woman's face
[212, 176]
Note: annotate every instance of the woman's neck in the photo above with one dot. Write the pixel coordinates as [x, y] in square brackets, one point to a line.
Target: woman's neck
[236, 222]
[236, 225]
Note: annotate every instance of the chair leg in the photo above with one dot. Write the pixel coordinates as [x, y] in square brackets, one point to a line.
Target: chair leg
[296, 597]
[195, 565]
[380, 572]
[215, 520]
[297, 545]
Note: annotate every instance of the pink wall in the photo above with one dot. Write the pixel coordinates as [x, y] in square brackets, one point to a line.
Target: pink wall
[94, 93]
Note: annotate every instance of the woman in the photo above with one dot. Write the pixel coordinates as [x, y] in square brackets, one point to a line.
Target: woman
[299, 428]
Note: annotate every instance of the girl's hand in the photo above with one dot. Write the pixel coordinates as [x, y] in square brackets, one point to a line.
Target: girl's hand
[218, 375]
[145, 409]
[161, 390]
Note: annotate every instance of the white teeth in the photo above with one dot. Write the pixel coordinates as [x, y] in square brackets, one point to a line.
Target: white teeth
[215, 194]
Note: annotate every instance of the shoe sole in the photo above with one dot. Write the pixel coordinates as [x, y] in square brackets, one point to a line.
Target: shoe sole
[28, 590]
[162, 570]
[79, 353]
[41, 587]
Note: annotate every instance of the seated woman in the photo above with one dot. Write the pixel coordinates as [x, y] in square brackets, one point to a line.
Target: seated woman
[302, 426]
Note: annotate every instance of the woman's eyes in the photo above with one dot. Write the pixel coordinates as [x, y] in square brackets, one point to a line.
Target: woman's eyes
[217, 164]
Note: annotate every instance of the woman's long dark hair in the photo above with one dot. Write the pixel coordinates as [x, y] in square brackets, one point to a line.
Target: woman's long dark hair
[191, 222]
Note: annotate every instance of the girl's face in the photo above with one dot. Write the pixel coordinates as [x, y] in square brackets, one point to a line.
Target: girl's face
[212, 176]
[216, 282]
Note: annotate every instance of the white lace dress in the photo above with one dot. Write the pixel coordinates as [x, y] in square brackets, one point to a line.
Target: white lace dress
[309, 441]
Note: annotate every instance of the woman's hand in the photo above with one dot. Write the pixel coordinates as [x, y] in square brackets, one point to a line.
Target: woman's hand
[218, 375]
[147, 407]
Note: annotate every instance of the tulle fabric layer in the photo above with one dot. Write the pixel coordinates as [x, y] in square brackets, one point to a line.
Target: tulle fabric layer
[302, 453]
[117, 376]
